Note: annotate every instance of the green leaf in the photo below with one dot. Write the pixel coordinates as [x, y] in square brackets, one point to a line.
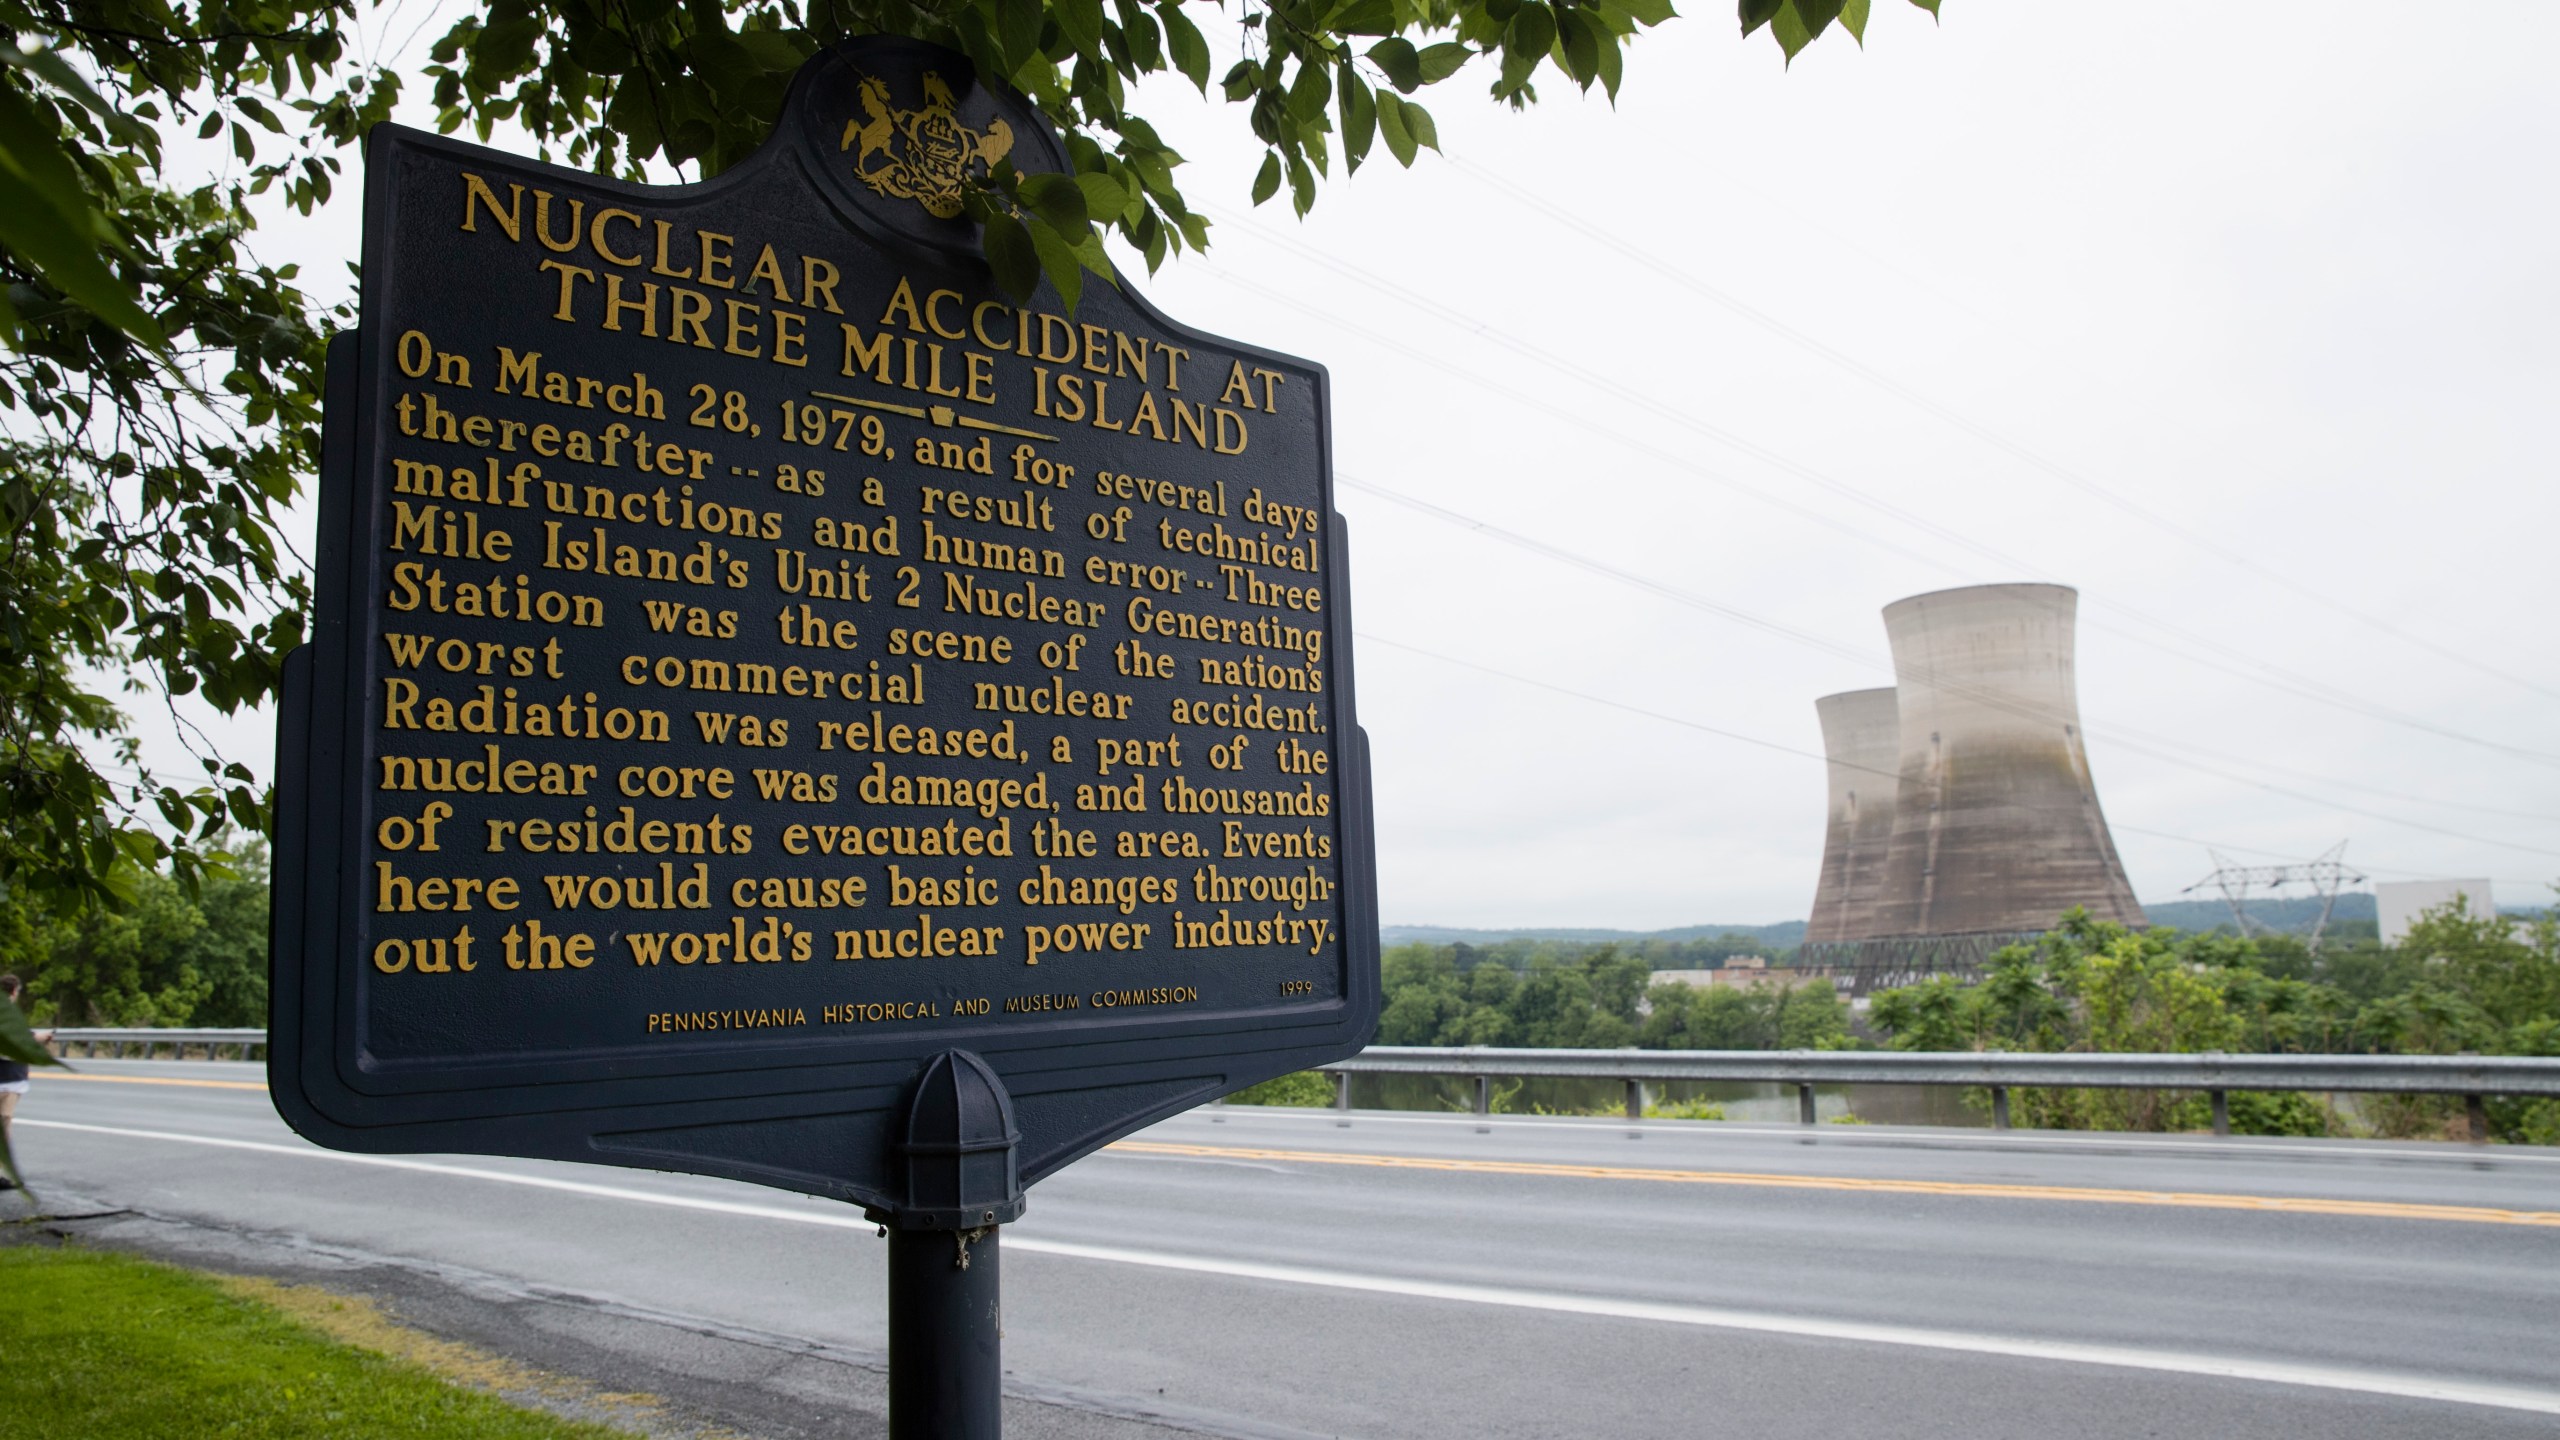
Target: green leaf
[1018, 26]
[1311, 92]
[505, 47]
[1531, 33]
[1182, 39]
[1649, 12]
[1059, 200]
[49, 66]
[1391, 128]
[1612, 58]
[1581, 46]
[1799, 23]
[1853, 18]
[1441, 61]
[1302, 185]
[1359, 118]
[17, 1042]
[1756, 13]
[1081, 22]
[1418, 122]
[1267, 183]
[1363, 17]
[1010, 255]
[1396, 58]
[1929, 5]
[1105, 200]
[68, 257]
[1058, 261]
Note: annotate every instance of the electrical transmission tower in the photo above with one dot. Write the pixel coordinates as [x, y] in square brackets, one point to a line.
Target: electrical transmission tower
[2325, 876]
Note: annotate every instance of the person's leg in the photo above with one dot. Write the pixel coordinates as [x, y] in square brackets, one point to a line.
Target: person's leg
[8, 1108]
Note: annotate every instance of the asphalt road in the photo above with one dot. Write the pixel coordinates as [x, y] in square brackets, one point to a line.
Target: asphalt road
[1256, 1272]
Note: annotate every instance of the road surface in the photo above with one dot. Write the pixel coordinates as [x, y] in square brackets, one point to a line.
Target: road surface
[1261, 1272]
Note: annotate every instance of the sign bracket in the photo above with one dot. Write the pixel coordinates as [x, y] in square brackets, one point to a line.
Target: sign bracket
[946, 1313]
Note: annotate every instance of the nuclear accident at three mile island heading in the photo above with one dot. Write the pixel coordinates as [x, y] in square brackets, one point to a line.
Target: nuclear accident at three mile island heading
[759, 626]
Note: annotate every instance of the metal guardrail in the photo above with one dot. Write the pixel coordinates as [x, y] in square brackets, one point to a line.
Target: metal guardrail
[2473, 1077]
[112, 1044]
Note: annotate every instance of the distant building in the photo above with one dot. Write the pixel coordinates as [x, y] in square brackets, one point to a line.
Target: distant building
[2398, 903]
[1745, 971]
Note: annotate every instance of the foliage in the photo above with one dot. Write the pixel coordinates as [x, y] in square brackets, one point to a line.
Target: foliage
[1683, 1110]
[2458, 982]
[107, 1345]
[2285, 1112]
[159, 956]
[159, 396]
[1306, 1087]
[1601, 999]
[1761, 1017]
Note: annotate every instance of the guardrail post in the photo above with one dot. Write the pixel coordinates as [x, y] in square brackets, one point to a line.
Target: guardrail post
[2475, 1111]
[1341, 1089]
[1999, 1107]
[1635, 1099]
[1484, 1094]
[2221, 1111]
[1804, 1103]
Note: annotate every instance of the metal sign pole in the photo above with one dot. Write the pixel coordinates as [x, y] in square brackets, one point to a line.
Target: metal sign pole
[946, 1310]
[946, 1334]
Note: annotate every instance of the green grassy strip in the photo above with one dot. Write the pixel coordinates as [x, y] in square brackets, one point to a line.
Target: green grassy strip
[105, 1345]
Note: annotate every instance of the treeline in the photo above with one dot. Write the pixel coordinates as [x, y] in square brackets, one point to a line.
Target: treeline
[154, 954]
[1594, 996]
[2458, 982]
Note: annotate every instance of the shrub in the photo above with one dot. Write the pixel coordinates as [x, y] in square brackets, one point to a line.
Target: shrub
[1307, 1087]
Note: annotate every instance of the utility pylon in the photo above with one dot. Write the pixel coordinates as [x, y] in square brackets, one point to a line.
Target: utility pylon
[2326, 876]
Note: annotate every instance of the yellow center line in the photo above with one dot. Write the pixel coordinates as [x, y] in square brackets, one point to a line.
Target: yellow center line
[2182, 1199]
[158, 1080]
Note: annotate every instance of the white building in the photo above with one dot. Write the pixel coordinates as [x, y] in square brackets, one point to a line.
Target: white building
[2398, 903]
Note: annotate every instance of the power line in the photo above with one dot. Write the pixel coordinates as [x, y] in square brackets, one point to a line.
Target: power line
[1785, 749]
[2301, 686]
[2055, 469]
[2114, 733]
[1655, 587]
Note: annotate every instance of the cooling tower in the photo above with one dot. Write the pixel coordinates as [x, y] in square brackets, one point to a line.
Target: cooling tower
[1996, 825]
[1861, 738]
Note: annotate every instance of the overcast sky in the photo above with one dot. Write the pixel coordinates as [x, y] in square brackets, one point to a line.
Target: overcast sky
[2239, 319]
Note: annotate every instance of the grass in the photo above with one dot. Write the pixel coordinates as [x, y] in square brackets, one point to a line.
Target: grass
[105, 1345]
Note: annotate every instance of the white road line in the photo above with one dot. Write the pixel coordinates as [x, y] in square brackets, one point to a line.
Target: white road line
[2272, 1372]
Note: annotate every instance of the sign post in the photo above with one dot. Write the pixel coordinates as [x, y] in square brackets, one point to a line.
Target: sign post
[779, 708]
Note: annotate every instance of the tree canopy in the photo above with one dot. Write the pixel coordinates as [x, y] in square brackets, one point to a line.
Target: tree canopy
[161, 384]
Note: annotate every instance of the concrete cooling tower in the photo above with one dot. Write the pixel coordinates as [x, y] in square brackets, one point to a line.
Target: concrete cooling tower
[1861, 736]
[1996, 826]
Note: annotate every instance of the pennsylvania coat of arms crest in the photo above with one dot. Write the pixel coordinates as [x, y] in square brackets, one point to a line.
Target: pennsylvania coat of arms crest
[926, 154]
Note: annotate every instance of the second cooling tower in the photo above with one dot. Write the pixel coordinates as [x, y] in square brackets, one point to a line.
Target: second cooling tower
[1861, 735]
[1996, 825]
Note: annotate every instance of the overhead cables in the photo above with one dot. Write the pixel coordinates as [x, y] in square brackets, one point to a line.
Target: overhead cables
[2055, 469]
[1785, 749]
[2138, 740]
[2273, 676]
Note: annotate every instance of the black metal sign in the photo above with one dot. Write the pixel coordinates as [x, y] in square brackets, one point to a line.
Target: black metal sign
[755, 655]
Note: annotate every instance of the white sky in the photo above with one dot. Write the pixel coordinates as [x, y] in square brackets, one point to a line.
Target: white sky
[2276, 277]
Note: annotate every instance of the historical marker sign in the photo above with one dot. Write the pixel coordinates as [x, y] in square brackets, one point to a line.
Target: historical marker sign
[755, 655]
